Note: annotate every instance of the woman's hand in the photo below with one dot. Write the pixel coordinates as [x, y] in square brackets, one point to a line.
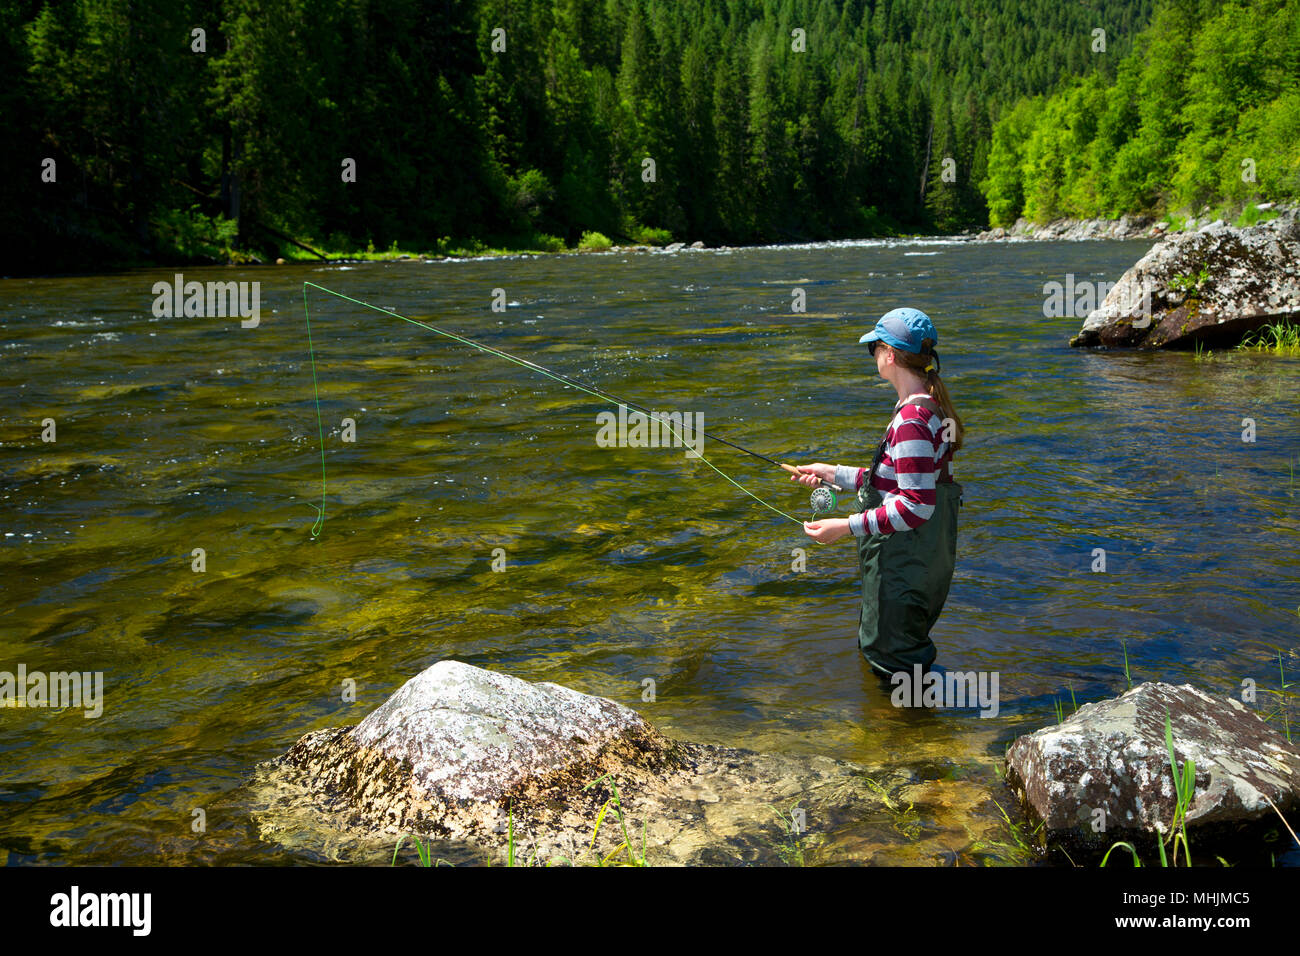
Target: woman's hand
[814, 474]
[827, 530]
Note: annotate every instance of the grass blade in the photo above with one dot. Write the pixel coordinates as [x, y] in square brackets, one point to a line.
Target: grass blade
[1128, 846]
[1283, 819]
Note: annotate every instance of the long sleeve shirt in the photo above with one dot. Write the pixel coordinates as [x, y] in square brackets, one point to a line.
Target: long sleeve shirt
[915, 456]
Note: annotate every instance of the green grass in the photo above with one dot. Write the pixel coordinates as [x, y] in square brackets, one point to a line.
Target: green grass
[1286, 710]
[423, 849]
[631, 859]
[1284, 704]
[1022, 843]
[1184, 788]
[1191, 283]
[1281, 338]
[1060, 707]
[905, 819]
[791, 849]
[511, 855]
[1250, 215]
[625, 849]
[1137, 862]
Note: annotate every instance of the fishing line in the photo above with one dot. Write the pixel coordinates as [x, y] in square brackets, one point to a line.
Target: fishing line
[592, 390]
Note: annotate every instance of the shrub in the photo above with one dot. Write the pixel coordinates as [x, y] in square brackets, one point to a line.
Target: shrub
[547, 243]
[189, 234]
[649, 236]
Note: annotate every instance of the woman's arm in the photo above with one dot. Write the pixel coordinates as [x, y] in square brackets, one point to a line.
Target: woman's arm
[843, 475]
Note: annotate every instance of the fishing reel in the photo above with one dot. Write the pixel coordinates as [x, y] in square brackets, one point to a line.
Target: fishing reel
[823, 502]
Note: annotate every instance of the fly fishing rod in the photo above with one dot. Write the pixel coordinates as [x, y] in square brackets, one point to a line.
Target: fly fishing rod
[823, 498]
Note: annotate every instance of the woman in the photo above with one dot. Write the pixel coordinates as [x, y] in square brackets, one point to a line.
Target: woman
[907, 529]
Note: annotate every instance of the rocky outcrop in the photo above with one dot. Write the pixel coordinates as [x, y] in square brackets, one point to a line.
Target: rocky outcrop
[456, 746]
[1209, 287]
[1104, 775]
[474, 759]
[1126, 227]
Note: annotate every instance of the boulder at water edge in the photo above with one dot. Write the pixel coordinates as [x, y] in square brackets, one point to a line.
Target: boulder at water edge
[1111, 756]
[1210, 287]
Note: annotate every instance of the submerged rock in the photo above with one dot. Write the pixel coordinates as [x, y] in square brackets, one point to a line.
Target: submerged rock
[1104, 773]
[1210, 287]
[465, 756]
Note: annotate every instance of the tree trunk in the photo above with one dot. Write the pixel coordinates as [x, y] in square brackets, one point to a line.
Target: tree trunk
[925, 167]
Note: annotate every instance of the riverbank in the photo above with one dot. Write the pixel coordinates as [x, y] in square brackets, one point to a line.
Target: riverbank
[1135, 226]
[451, 251]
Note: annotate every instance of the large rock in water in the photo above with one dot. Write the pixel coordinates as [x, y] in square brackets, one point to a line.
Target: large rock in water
[1112, 756]
[457, 746]
[1209, 287]
[460, 754]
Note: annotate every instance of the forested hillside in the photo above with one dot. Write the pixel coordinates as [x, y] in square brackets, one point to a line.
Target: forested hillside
[1205, 111]
[180, 129]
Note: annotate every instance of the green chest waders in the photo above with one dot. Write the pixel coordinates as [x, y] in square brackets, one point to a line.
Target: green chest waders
[905, 577]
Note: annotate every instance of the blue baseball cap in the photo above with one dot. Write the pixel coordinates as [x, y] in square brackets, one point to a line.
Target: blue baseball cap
[904, 329]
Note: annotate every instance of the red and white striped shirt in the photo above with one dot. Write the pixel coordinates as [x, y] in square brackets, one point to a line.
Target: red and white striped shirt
[915, 456]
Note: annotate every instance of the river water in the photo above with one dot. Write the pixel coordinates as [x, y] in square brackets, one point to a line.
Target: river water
[618, 565]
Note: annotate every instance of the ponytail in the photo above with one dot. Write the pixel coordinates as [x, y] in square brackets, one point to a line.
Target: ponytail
[926, 365]
[939, 392]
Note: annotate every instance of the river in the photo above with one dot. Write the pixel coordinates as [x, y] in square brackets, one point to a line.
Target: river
[613, 566]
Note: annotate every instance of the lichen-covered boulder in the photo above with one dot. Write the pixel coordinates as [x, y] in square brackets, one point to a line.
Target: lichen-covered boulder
[1210, 287]
[478, 762]
[457, 746]
[1111, 756]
